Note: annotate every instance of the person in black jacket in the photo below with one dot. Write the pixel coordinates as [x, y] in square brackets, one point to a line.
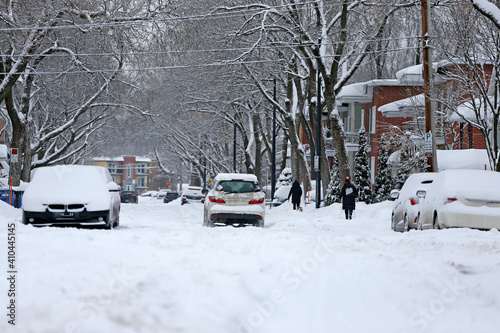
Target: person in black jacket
[348, 195]
[295, 193]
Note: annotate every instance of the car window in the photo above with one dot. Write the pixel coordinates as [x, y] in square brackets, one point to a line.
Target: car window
[236, 186]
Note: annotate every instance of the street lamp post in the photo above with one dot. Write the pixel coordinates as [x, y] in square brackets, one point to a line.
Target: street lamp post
[273, 162]
[234, 145]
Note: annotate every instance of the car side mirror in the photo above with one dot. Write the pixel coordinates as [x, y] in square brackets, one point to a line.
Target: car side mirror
[395, 195]
[114, 187]
[421, 194]
[204, 191]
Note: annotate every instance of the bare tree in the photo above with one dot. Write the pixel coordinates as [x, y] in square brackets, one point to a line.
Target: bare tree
[52, 119]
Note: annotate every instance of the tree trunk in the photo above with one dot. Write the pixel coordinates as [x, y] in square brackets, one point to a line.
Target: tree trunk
[258, 148]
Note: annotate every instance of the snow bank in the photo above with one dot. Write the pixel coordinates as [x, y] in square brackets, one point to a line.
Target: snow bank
[310, 271]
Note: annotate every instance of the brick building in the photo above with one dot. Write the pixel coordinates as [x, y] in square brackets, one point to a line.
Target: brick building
[132, 173]
[379, 105]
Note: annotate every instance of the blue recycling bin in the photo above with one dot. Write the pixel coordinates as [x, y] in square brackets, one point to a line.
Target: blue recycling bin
[17, 197]
[4, 195]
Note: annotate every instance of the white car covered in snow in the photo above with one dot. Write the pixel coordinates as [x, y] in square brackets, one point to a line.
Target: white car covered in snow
[405, 210]
[236, 199]
[461, 198]
[71, 195]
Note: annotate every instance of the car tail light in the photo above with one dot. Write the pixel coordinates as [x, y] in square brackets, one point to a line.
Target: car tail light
[413, 201]
[449, 200]
[261, 200]
[214, 199]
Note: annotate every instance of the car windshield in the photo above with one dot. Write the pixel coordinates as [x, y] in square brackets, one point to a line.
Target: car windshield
[236, 186]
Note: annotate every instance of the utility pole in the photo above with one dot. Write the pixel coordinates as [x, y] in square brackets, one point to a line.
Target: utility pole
[430, 125]
[317, 162]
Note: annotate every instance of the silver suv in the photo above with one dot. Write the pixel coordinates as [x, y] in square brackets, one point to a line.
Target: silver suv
[236, 199]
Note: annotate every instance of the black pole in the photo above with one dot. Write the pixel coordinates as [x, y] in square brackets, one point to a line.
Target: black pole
[318, 144]
[204, 172]
[234, 146]
[273, 164]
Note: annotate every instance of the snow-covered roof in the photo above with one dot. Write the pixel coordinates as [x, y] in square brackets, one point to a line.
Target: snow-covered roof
[108, 159]
[242, 176]
[462, 159]
[3, 151]
[411, 75]
[142, 159]
[467, 110]
[355, 91]
[362, 91]
[404, 107]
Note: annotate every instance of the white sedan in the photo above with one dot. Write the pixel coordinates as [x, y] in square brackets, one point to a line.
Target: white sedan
[236, 199]
[462, 198]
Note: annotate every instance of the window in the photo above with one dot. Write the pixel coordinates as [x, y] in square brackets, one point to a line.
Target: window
[112, 167]
[237, 186]
[129, 170]
[374, 120]
[141, 169]
[141, 182]
[353, 118]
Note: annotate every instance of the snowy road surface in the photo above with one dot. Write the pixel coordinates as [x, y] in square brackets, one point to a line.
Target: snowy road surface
[310, 271]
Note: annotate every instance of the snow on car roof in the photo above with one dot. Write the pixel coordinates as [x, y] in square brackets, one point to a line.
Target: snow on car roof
[231, 176]
[68, 184]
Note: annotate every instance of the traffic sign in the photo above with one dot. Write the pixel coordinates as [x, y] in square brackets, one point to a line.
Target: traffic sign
[428, 142]
[14, 155]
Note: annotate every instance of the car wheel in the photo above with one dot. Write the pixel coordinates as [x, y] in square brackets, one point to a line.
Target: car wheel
[419, 222]
[109, 223]
[23, 219]
[207, 222]
[260, 224]
[436, 222]
[393, 223]
[117, 222]
[407, 224]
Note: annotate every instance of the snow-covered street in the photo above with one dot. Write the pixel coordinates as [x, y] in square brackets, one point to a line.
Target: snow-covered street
[311, 271]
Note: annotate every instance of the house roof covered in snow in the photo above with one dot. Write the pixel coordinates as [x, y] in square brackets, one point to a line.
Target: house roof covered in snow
[362, 91]
[404, 107]
[142, 159]
[411, 75]
[467, 110]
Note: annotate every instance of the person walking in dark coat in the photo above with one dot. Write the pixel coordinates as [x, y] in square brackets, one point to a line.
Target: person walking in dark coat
[295, 193]
[348, 195]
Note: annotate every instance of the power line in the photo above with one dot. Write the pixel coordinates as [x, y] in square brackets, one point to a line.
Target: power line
[159, 20]
[247, 62]
[262, 47]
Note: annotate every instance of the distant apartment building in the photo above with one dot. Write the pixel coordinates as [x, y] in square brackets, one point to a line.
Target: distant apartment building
[132, 173]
